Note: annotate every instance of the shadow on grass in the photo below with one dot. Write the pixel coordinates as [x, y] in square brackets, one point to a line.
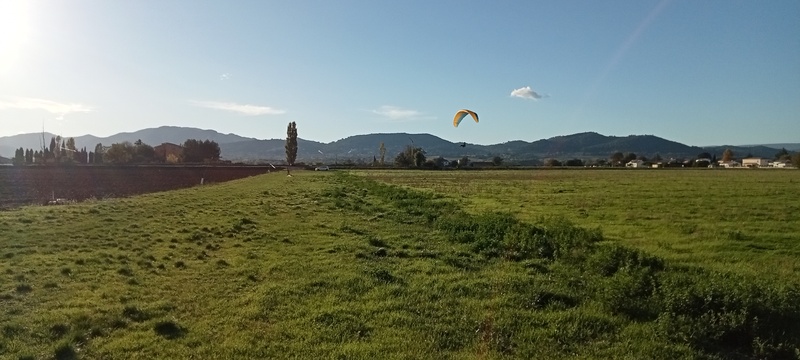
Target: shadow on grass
[65, 352]
[169, 330]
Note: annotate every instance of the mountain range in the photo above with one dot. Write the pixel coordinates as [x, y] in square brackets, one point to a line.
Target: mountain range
[587, 145]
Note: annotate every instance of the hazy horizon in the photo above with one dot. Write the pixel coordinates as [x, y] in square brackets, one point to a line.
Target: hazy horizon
[410, 133]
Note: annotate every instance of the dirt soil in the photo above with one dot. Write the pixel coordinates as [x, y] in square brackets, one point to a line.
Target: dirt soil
[41, 184]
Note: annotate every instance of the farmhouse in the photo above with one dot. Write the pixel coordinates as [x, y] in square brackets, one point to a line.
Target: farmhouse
[702, 162]
[635, 164]
[673, 162]
[729, 164]
[163, 151]
[755, 162]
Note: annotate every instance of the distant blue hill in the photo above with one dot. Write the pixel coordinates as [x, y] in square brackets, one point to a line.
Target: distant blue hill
[787, 146]
[365, 147]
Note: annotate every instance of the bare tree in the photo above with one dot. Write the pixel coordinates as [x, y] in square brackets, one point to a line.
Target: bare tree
[727, 155]
[616, 158]
[783, 155]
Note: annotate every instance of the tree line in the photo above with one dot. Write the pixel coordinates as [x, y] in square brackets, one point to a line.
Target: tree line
[60, 150]
[415, 157]
[63, 151]
[410, 157]
[619, 159]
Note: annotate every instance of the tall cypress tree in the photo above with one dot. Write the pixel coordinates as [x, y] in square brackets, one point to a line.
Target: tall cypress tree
[291, 145]
[98, 154]
[382, 150]
[19, 156]
[53, 145]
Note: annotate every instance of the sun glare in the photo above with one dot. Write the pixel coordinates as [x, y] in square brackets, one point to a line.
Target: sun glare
[14, 32]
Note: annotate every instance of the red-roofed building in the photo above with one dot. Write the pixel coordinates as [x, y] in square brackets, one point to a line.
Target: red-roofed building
[163, 152]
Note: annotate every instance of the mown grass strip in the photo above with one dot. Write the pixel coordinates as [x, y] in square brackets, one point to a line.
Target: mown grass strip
[716, 313]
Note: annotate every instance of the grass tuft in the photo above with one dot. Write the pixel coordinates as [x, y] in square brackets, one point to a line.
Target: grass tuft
[59, 330]
[65, 351]
[135, 314]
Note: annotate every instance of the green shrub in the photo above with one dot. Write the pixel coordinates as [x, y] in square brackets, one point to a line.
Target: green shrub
[715, 311]
[501, 234]
[629, 292]
[606, 260]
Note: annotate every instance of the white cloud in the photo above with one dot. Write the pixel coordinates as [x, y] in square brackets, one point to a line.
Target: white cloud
[400, 114]
[396, 113]
[526, 93]
[60, 109]
[244, 109]
[225, 76]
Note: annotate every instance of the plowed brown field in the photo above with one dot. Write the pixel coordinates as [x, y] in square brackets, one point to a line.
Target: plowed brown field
[40, 184]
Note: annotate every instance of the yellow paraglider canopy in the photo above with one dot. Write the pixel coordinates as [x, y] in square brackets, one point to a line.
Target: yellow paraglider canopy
[463, 113]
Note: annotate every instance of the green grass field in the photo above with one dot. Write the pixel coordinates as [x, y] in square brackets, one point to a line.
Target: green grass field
[336, 265]
[741, 220]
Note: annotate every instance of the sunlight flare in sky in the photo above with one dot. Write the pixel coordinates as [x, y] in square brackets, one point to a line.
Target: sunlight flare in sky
[15, 32]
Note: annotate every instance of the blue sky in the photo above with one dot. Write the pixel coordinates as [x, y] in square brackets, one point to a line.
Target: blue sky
[697, 72]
